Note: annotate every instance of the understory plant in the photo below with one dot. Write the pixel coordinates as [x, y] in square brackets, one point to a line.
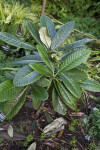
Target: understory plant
[12, 15]
[51, 69]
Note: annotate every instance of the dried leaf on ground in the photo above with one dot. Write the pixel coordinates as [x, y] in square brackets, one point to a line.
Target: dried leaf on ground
[10, 131]
[55, 126]
[32, 146]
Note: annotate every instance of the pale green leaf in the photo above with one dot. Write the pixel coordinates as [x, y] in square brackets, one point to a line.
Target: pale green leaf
[44, 37]
[45, 21]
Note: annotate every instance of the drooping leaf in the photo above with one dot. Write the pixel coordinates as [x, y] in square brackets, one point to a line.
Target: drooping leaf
[73, 60]
[12, 106]
[77, 74]
[41, 69]
[75, 44]
[33, 31]
[43, 82]
[45, 57]
[44, 37]
[46, 22]
[27, 59]
[66, 96]
[71, 84]
[58, 105]
[40, 93]
[13, 40]
[90, 85]
[26, 76]
[62, 34]
[8, 91]
[35, 101]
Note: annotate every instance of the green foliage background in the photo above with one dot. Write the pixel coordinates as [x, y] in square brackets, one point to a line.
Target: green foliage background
[86, 14]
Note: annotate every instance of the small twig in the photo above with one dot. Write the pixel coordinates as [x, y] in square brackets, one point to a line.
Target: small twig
[80, 145]
[38, 111]
[43, 7]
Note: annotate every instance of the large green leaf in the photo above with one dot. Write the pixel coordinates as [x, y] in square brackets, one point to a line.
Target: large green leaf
[12, 106]
[46, 22]
[26, 76]
[45, 57]
[73, 60]
[8, 91]
[58, 105]
[40, 93]
[77, 74]
[91, 85]
[66, 97]
[41, 69]
[43, 82]
[75, 44]
[71, 84]
[35, 102]
[62, 34]
[34, 32]
[27, 59]
[13, 40]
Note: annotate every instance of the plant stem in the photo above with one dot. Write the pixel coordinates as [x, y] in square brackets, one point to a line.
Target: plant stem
[39, 110]
[43, 7]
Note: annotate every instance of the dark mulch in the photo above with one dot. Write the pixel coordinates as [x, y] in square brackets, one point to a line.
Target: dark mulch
[25, 123]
